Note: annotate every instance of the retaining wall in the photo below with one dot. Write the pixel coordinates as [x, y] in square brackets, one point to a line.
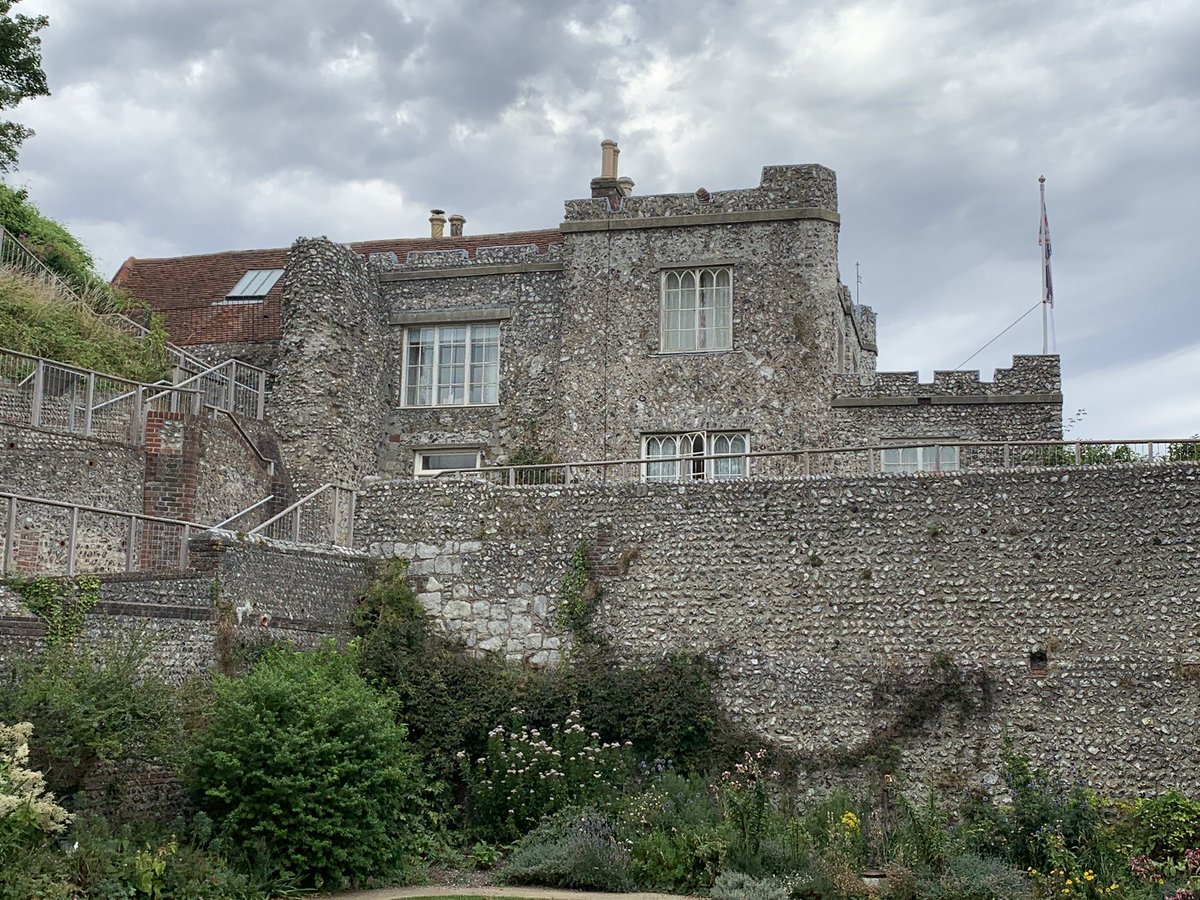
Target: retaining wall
[821, 596]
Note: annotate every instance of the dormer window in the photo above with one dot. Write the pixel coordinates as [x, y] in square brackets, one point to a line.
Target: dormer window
[253, 286]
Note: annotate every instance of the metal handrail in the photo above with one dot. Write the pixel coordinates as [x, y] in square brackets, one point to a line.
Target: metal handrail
[295, 509]
[248, 509]
[10, 529]
[807, 454]
[230, 380]
[187, 397]
[14, 253]
[265, 460]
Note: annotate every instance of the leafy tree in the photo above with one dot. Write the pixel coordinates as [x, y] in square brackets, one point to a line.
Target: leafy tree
[21, 74]
[48, 240]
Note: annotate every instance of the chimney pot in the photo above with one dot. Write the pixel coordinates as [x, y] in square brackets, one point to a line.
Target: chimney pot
[456, 225]
[608, 158]
[437, 223]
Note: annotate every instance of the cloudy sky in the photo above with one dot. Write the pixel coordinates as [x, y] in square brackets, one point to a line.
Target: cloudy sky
[185, 126]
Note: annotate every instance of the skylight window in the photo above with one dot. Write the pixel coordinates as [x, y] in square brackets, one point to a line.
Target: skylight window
[254, 285]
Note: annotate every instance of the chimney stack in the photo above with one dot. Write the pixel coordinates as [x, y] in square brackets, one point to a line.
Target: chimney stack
[608, 185]
[456, 225]
[437, 223]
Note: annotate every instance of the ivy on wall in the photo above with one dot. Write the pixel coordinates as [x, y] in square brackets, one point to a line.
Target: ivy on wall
[62, 603]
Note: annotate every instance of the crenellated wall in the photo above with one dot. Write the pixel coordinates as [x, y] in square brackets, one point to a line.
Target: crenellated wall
[1023, 402]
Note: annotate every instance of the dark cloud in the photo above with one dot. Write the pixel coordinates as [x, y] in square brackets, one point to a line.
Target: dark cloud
[185, 127]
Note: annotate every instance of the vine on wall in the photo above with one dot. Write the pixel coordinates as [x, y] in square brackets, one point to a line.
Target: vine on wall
[578, 595]
[62, 603]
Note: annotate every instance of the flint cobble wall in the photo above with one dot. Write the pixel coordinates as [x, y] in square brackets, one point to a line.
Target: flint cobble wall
[70, 468]
[332, 373]
[529, 408]
[786, 306]
[238, 594]
[818, 595]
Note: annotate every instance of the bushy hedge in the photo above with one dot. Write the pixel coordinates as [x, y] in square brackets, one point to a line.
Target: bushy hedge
[301, 763]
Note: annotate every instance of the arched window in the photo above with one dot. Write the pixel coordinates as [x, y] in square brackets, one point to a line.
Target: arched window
[697, 310]
[698, 455]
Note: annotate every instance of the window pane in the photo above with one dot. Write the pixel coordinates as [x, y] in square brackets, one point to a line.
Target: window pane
[661, 471]
[697, 310]
[733, 467]
[449, 459]
[452, 365]
[485, 364]
[419, 367]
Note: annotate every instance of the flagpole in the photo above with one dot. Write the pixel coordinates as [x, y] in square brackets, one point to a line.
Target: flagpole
[1043, 236]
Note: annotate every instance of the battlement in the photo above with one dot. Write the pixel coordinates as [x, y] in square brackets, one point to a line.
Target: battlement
[811, 186]
[1035, 376]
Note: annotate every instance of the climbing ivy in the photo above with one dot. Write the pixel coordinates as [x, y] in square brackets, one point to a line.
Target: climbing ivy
[62, 603]
[578, 595]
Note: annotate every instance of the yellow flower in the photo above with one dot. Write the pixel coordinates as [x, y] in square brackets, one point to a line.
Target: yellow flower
[1089, 875]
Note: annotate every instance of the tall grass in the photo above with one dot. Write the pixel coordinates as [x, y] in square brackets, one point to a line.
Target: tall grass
[41, 318]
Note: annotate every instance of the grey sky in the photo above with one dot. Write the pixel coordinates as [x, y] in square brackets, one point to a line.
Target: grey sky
[182, 127]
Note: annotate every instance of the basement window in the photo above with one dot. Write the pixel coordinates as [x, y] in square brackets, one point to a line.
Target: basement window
[253, 286]
[433, 462]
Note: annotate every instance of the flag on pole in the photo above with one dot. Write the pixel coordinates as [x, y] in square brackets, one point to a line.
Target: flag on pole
[1044, 241]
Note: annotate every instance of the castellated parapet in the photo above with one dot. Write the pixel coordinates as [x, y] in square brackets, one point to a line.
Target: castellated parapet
[1023, 402]
[781, 187]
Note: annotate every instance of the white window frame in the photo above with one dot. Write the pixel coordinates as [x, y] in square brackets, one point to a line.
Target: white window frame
[699, 444]
[421, 470]
[908, 459]
[711, 328]
[435, 388]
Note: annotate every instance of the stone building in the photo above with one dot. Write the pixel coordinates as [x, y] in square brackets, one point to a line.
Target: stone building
[669, 327]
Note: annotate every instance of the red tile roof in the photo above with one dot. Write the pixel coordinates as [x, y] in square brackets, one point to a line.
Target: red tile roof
[185, 288]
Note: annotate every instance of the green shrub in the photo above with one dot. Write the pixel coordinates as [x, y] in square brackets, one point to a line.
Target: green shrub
[40, 319]
[526, 774]
[93, 706]
[738, 886]
[1166, 826]
[1184, 451]
[447, 698]
[48, 240]
[301, 764]
[1041, 805]
[666, 708]
[29, 817]
[972, 877]
[577, 848]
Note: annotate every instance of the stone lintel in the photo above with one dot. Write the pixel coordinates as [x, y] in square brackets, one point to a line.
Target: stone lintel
[472, 271]
[720, 218]
[946, 400]
[442, 316]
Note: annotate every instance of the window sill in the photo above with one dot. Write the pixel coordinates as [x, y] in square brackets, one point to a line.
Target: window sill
[658, 353]
[451, 406]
